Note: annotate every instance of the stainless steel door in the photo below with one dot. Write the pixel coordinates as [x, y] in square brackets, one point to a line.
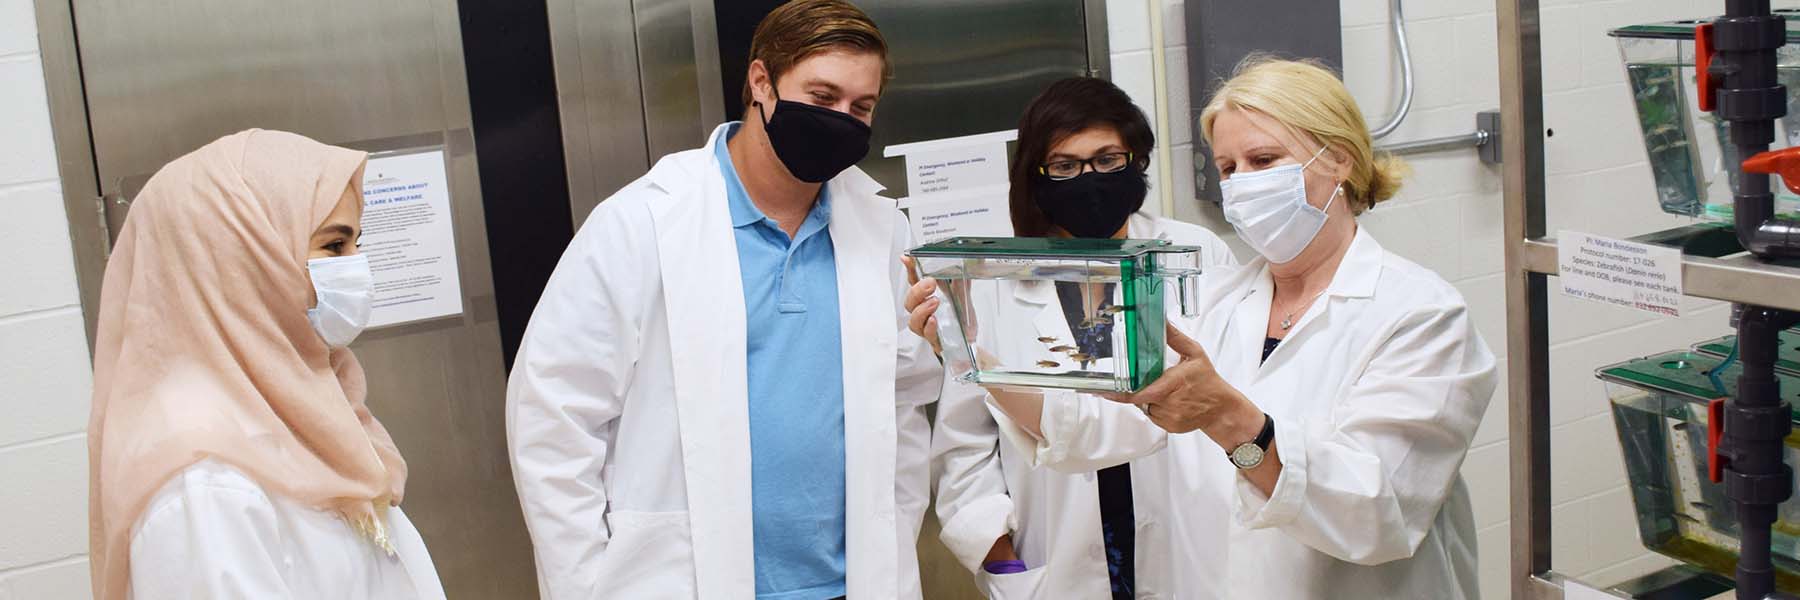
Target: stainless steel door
[163, 78]
[645, 78]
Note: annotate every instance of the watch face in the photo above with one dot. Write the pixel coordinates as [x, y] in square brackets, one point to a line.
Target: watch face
[1247, 456]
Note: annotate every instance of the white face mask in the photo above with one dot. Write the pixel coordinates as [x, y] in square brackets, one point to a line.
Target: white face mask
[345, 288]
[1268, 208]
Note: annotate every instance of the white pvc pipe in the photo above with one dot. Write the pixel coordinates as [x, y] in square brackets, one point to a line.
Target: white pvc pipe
[1159, 71]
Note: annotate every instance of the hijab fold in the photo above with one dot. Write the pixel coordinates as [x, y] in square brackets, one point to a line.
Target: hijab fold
[204, 350]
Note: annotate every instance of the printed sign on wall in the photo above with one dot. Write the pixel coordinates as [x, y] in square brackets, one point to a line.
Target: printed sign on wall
[408, 238]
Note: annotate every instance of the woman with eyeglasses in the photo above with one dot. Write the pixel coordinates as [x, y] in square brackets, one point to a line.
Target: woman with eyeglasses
[1028, 532]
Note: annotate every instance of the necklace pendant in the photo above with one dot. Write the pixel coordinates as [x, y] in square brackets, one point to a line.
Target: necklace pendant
[1287, 322]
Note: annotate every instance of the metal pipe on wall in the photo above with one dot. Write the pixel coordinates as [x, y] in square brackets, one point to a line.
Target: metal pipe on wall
[1475, 139]
[1159, 71]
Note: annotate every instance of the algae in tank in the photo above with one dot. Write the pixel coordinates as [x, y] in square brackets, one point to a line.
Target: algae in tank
[1659, 92]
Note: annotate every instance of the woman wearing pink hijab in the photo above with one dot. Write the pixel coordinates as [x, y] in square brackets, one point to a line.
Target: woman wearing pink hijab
[231, 453]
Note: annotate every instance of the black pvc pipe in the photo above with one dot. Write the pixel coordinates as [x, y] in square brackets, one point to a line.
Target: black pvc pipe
[1757, 420]
[1751, 98]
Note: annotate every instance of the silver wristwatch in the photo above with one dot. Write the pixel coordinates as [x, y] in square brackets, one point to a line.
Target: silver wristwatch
[1250, 454]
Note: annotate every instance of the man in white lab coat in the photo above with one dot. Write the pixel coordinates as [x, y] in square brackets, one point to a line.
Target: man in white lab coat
[717, 396]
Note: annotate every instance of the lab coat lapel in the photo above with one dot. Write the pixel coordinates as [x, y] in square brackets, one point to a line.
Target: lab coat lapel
[862, 238]
[703, 293]
[1250, 323]
[1142, 226]
[1356, 277]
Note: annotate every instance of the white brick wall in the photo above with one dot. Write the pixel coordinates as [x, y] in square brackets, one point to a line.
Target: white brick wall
[1448, 219]
[44, 375]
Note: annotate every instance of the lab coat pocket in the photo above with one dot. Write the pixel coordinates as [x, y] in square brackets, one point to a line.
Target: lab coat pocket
[650, 555]
[1013, 586]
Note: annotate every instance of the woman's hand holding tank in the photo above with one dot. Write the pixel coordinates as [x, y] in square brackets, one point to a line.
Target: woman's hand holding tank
[920, 305]
[1192, 396]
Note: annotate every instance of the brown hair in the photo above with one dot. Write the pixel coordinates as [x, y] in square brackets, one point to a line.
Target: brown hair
[796, 31]
[1066, 108]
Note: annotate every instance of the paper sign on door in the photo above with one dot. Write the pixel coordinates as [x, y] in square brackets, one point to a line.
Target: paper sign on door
[958, 186]
[981, 213]
[408, 238]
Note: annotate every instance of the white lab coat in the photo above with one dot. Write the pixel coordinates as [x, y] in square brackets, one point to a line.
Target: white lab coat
[627, 415]
[987, 488]
[213, 533]
[1375, 393]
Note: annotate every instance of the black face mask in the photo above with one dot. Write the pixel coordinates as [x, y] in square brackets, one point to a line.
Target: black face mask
[1092, 205]
[814, 142]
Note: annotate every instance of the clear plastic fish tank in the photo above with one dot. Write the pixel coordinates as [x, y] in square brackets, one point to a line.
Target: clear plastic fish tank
[1081, 314]
[1688, 149]
[1659, 405]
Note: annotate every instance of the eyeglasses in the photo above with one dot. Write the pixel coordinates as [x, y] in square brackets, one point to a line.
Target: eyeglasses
[1111, 162]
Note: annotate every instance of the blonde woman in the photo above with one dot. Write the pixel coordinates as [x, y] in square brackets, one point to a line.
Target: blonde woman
[230, 452]
[1325, 399]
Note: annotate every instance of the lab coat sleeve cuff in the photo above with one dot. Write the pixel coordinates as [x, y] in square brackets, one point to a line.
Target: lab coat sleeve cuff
[1255, 511]
[1012, 433]
[971, 532]
[1060, 423]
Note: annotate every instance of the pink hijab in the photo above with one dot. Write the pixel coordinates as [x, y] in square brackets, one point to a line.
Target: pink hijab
[204, 348]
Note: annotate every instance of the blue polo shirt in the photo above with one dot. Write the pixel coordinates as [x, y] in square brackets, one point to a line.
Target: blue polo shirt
[796, 383]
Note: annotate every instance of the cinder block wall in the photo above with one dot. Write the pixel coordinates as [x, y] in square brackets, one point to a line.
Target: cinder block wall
[44, 373]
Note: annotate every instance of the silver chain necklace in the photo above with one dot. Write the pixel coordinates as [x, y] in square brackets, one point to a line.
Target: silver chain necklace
[1287, 322]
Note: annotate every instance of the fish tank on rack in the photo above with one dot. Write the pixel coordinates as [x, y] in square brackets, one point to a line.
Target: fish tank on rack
[1081, 314]
[1688, 149]
[1659, 405]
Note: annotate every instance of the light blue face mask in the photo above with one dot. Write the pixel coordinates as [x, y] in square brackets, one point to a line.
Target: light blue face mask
[345, 289]
[1268, 208]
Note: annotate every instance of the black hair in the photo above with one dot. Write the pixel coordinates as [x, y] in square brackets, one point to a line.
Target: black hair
[1066, 108]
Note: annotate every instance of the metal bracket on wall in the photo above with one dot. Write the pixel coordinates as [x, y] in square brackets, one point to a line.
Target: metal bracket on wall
[1485, 140]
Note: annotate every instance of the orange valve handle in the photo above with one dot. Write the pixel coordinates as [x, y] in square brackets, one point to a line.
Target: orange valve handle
[1715, 430]
[1703, 55]
[1784, 162]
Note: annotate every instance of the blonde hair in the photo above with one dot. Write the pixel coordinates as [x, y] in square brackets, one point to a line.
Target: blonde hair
[1308, 98]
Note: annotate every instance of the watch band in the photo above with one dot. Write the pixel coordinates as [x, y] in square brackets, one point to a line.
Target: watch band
[1264, 437]
[1267, 435]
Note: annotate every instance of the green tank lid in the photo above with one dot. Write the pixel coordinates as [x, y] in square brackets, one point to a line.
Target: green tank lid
[1684, 29]
[1787, 356]
[1683, 374]
[1045, 248]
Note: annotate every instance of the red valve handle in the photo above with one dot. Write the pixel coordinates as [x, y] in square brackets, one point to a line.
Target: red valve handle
[1703, 55]
[1715, 430]
[1784, 162]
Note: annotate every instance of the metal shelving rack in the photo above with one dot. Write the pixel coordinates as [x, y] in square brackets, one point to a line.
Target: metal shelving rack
[1531, 259]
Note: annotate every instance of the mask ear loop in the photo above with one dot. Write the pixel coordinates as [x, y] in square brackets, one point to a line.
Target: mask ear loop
[773, 91]
[1315, 158]
[1338, 189]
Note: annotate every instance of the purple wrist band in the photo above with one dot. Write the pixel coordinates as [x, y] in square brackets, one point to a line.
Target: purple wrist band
[1003, 567]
